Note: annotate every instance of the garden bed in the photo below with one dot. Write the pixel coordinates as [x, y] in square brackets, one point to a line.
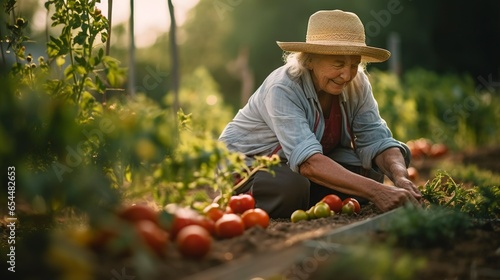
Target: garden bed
[300, 250]
[241, 251]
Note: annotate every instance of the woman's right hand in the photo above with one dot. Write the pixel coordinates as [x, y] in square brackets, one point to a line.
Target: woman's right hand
[388, 197]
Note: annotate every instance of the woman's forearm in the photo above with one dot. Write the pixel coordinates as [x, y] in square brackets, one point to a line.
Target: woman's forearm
[326, 172]
[392, 163]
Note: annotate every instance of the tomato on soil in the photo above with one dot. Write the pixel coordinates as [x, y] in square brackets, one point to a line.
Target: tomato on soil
[253, 217]
[357, 207]
[348, 208]
[299, 215]
[334, 202]
[183, 217]
[213, 212]
[230, 225]
[138, 212]
[206, 223]
[241, 203]
[322, 210]
[310, 213]
[154, 237]
[194, 241]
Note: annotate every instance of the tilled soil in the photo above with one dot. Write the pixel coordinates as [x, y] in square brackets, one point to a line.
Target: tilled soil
[475, 254]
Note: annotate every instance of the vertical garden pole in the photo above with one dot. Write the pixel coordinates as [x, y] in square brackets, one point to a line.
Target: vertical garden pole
[131, 53]
[174, 56]
[110, 14]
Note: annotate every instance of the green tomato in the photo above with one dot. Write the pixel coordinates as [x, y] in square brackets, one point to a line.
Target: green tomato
[322, 210]
[299, 215]
[348, 208]
[310, 213]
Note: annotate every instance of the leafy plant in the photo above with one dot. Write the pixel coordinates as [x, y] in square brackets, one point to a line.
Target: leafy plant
[435, 226]
[476, 201]
[86, 21]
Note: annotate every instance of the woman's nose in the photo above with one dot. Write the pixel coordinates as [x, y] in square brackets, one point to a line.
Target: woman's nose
[346, 73]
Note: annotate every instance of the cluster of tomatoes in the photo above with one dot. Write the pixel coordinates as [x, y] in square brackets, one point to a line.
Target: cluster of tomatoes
[192, 232]
[330, 205]
[424, 147]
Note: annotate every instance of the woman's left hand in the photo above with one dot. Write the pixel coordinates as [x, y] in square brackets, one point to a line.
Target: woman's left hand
[408, 185]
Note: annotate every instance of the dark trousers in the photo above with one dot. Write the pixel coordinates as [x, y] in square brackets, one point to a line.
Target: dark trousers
[286, 191]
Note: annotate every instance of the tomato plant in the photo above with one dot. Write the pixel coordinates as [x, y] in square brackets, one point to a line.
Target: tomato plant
[334, 202]
[241, 203]
[357, 206]
[230, 225]
[253, 217]
[194, 241]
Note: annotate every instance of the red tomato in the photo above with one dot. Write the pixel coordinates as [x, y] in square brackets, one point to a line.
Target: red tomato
[138, 212]
[206, 223]
[334, 202]
[230, 225]
[348, 208]
[194, 241]
[357, 207]
[154, 237]
[253, 217]
[183, 217]
[241, 203]
[213, 212]
[438, 150]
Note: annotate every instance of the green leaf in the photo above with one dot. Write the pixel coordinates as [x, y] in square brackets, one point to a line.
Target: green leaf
[69, 72]
[76, 22]
[101, 87]
[80, 38]
[81, 70]
[111, 76]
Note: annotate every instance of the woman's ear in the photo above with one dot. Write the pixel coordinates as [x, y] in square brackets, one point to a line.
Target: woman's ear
[309, 62]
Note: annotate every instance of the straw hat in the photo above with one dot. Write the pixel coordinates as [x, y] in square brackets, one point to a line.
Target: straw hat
[336, 33]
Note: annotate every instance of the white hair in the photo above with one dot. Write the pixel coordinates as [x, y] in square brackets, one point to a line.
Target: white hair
[297, 63]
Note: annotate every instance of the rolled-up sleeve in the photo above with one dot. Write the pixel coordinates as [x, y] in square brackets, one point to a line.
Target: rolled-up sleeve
[286, 115]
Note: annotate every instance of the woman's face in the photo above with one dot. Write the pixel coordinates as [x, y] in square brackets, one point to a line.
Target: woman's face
[331, 73]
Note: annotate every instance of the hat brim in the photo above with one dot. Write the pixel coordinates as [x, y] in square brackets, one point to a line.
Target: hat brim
[368, 54]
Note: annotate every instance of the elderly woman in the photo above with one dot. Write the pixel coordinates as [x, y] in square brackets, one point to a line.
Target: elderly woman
[318, 113]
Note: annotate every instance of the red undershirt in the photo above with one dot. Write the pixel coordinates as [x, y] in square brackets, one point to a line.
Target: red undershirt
[333, 127]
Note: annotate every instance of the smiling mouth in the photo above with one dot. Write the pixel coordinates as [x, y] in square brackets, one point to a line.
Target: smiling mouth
[342, 84]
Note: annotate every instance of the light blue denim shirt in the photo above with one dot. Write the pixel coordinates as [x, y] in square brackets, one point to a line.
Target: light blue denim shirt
[284, 114]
